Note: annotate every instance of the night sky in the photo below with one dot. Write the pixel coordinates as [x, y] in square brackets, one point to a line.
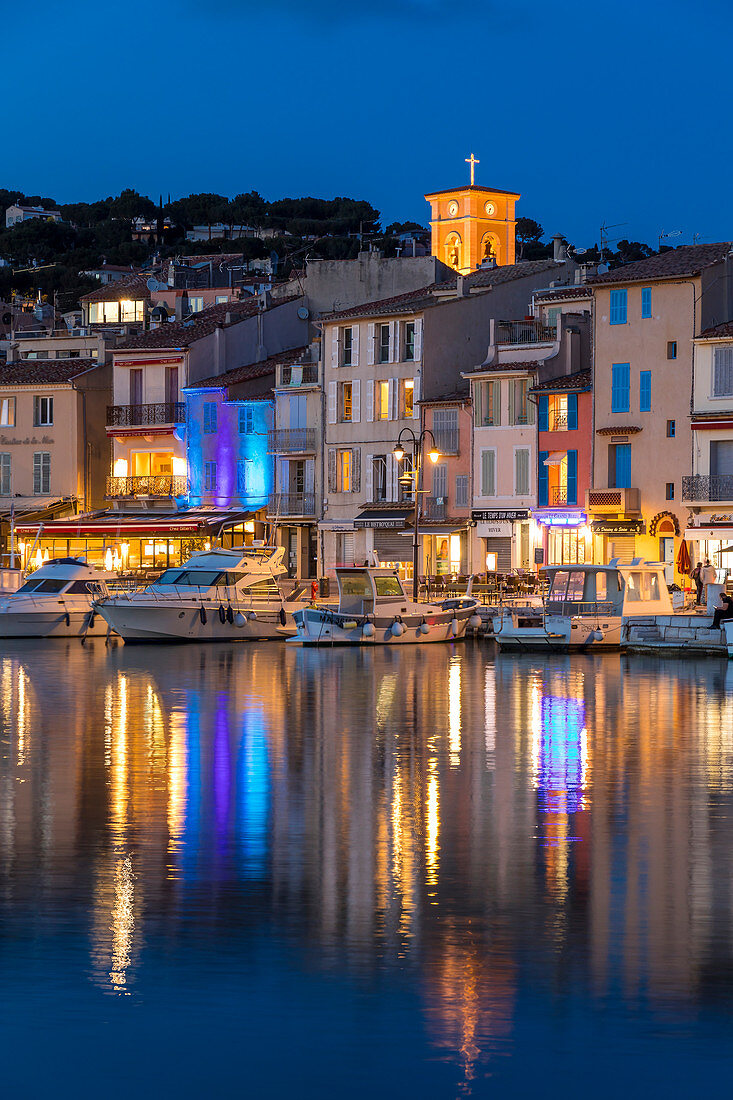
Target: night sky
[615, 112]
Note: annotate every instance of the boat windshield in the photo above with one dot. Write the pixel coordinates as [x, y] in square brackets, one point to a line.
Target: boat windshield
[198, 578]
[41, 586]
[388, 586]
[355, 584]
[641, 587]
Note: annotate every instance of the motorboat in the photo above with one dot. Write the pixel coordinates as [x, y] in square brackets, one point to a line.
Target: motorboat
[55, 601]
[374, 610]
[587, 606]
[216, 596]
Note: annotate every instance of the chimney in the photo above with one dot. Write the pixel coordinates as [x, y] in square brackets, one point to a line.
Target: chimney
[559, 248]
[460, 287]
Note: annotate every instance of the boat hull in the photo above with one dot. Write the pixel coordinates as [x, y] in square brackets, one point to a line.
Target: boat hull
[51, 624]
[153, 621]
[559, 634]
[325, 626]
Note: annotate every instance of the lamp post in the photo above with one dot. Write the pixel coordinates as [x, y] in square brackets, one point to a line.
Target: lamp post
[433, 455]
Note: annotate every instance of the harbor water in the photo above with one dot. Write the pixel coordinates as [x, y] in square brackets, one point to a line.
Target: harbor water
[433, 871]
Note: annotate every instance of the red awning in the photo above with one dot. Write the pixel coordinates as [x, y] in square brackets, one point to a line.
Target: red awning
[120, 526]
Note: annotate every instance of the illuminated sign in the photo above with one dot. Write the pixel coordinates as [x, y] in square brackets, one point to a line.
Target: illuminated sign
[488, 515]
[561, 519]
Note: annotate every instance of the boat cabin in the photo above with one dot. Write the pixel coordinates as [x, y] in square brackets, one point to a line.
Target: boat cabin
[363, 591]
[613, 590]
[71, 576]
[225, 569]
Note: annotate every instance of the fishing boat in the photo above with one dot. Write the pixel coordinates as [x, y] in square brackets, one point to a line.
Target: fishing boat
[216, 596]
[374, 610]
[56, 601]
[587, 606]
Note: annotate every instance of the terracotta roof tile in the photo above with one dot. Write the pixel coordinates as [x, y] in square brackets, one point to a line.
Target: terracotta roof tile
[685, 260]
[35, 372]
[250, 370]
[496, 367]
[181, 334]
[625, 429]
[496, 276]
[412, 302]
[132, 287]
[553, 293]
[721, 331]
[581, 380]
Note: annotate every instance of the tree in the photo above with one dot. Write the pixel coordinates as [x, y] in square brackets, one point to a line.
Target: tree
[130, 204]
[528, 233]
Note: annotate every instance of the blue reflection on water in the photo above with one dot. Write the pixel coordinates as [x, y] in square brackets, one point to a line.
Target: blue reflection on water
[253, 794]
[562, 754]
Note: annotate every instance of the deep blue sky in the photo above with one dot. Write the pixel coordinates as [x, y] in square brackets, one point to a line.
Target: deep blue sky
[616, 110]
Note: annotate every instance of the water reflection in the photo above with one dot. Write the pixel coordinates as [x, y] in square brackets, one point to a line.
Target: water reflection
[488, 832]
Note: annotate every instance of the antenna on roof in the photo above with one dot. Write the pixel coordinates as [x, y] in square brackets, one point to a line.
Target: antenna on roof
[672, 233]
[605, 239]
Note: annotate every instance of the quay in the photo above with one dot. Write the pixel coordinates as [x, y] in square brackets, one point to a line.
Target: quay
[675, 634]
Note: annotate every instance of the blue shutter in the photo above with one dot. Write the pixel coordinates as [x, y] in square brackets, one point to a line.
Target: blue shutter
[618, 307]
[623, 466]
[544, 413]
[645, 391]
[542, 493]
[572, 477]
[572, 412]
[620, 387]
[646, 301]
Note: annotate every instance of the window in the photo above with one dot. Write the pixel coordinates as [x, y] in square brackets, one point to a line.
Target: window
[551, 316]
[618, 307]
[345, 411]
[42, 411]
[379, 478]
[558, 412]
[345, 464]
[41, 472]
[723, 372]
[645, 391]
[195, 305]
[518, 408]
[440, 480]
[171, 385]
[209, 417]
[136, 387]
[209, 477]
[488, 473]
[7, 412]
[246, 420]
[5, 474]
[671, 349]
[619, 466]
[244, 475]
[221, 299]
[347, 346]
[130, 311]
[461, 490]
[408, 398]
[487, 404]
[620, 387]
[670, 491]
[409, 349]
[671, 429]
[445, 430]
[521, 472]
[381, 400]
[383, 343]
[646, 301]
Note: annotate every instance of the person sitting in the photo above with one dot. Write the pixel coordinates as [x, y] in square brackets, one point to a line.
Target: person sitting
[724, 610]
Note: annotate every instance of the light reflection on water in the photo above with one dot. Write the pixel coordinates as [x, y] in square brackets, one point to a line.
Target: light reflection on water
[453, 860]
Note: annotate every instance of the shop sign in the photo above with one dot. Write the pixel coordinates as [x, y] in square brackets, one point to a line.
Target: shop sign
[494, 530]
[487, 516]
[617, 527]
[381, 524]
[561, 519]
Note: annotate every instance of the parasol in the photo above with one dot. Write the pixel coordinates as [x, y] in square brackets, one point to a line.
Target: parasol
[683, 558]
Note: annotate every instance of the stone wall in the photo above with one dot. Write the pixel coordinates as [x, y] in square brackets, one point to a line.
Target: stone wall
[674, 633]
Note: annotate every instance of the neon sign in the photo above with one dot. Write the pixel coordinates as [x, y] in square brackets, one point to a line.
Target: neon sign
[561, 519]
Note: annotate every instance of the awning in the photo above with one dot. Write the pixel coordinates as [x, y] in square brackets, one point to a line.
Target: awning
[392, 518]
[121, 525]
[702, 534]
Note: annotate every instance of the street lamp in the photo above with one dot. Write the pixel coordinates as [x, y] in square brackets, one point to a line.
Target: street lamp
[406, 478]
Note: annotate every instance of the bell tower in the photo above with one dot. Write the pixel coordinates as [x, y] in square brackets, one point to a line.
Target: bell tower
[472, 225]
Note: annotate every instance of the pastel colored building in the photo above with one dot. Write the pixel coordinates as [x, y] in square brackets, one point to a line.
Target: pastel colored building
[445, 507]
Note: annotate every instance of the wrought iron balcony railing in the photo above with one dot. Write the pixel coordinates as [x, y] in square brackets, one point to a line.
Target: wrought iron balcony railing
[434, 508]
[154, 485]
[524, 332]
[291, 440]
[558, 422]
[298, 374]
[292, 504]
[711, 487]
[559, 496]
[133, 416]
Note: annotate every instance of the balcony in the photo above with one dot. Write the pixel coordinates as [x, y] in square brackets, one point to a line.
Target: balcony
[446, 440]
[559, 495]
[525, 332]
[557, 422]
[139, 416]
[282, 441]
[613, 502]
[299, 374]
[708, 487]
[292, 504]
[156, 485]
[434, 508]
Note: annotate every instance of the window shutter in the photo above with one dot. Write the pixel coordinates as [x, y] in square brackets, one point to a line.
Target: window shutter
[572, 491]
[418, 339]
[646, 301]
[356, 401]
[394, 341]
[356, 470]
[620, 387]
[370, 400]
[370, 341]
[392, 475]
[542, 478]
[530, 410]
[618, 307]
[440, 480]
[543, 419]
[623, 465]
[416, 398]
[332, 400]
[521, 472]
[496, 403]
[393, 410]
[512, 399]
[462, 490]
[334, 346]
[369, 478]
[478, 404]
[332, 470]
[723, 372]
[572, 412]
[36, 473]
[310, 475]
[488, 473]
[645, 391]
[355, 345]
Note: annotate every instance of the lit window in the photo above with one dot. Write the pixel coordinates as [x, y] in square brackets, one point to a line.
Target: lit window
[345, 471]
[7, 412]
[381, 396]
[346, 402]
[408, 400]
[195, 305]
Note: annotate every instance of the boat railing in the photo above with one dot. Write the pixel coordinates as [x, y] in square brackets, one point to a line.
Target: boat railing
[580, 607]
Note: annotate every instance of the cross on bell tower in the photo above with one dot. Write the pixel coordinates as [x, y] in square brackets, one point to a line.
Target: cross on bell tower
[472, 161]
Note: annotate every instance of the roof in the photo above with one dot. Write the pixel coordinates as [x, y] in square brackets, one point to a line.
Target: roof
[180, 334]
[215, 257]
[495, 276]
[134, 286]
[624, 429]
[473, 187]
[554, 292]
[515, 366]
[34, 372]
[450, 397]
[720, 332]
[249, 371]
[581, 380]
[685, 260]
[412, 302]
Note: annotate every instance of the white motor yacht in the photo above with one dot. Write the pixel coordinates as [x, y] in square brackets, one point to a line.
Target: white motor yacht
[374, 610]
[56, 601]
[217, 596]
[586, 607]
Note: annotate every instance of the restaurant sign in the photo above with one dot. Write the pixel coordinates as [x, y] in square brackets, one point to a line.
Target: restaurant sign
[397, 522]
[618, 527]
[483, 515]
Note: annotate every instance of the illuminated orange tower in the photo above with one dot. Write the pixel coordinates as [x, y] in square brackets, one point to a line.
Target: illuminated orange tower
[472, 224]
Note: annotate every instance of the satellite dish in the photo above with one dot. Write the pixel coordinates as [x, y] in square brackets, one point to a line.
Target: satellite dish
[303, 313]
[7, 318]
[580, 251]
[152, 284]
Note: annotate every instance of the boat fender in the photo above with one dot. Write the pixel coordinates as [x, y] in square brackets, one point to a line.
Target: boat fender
[282, 616]
[202, 614]
[397, 629]
[474, 622]
[222, 613]
[251, 614]
[239, 619]
[91, 618]
[424, 628]
[454, 627]
[597, 635]
[230, 614]
[368, 630]
[67, 616]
